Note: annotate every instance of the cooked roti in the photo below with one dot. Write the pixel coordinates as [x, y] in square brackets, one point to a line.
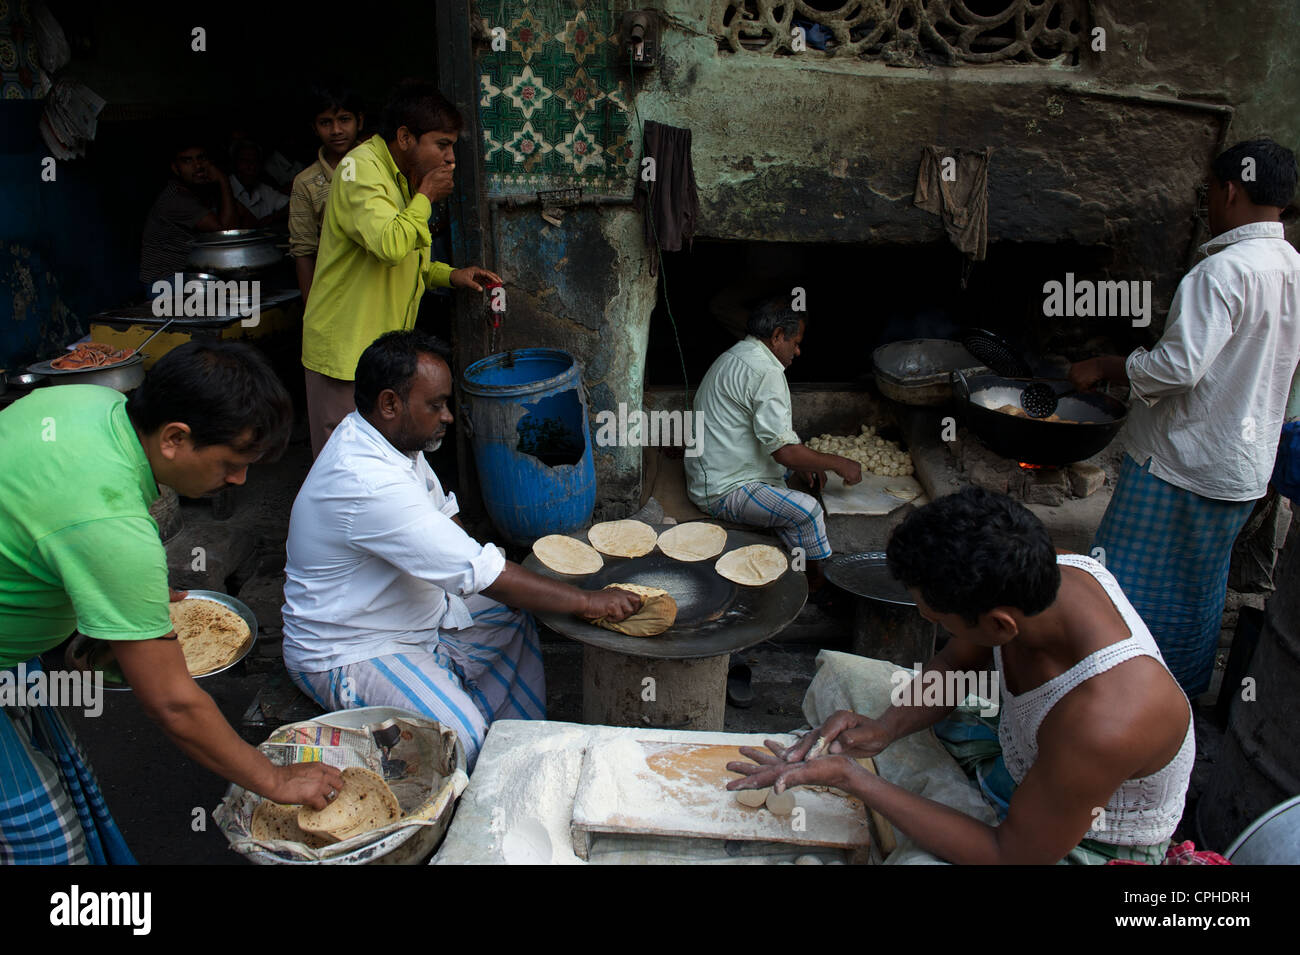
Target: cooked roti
[658, 612]
[565, 555]
[752, 566]
[623, 538]
[696, 540]
[210, 635]
[274, 821]
[364, 803]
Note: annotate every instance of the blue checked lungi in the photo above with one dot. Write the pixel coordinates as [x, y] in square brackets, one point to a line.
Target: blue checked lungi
[490, 671]
[51, 809]
[796, 517]
[1170, 549]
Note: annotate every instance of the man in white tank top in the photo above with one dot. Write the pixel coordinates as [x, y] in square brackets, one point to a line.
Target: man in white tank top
[1095, 733]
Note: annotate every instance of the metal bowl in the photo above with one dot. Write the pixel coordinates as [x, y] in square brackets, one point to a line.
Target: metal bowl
[86, 653]
[27, 381]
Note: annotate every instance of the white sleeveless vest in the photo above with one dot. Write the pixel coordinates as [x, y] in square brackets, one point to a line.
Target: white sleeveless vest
[1142, 811]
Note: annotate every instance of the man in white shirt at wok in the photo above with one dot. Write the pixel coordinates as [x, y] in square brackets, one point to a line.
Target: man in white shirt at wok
[388, 601]
[1207, 410]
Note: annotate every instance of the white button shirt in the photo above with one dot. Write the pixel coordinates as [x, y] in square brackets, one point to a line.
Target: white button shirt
[1213, 392]
[375, 563]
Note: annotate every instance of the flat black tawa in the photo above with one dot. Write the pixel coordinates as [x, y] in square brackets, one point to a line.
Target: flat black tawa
[867, 575]
[714, 616]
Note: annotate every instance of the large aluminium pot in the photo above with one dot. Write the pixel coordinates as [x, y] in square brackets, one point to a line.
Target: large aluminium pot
[1092, 420]
[234, 253]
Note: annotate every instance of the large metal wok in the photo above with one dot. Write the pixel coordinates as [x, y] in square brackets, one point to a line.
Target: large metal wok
[1090, 420]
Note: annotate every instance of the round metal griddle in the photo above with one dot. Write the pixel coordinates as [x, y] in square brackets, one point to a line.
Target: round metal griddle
[867, 575]
[714, 616]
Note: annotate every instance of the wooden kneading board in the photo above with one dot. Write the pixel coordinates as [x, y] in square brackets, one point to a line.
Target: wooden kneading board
[681, 791]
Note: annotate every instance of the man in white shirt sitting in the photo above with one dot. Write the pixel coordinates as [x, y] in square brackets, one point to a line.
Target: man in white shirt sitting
[1208, 407]
[388, 602]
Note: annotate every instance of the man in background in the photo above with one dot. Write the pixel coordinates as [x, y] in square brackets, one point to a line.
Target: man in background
[338, 119]
[1209, 401]
[197, 198]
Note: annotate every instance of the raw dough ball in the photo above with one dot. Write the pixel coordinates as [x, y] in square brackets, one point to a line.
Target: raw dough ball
[781, 805]
[753, 798]
[808, 860]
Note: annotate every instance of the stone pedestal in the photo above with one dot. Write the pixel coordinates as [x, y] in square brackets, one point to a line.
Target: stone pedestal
[892, 632]
[622, 690]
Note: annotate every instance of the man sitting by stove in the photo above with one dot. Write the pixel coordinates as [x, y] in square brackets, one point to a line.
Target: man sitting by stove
[1210, 398]
[196, 199]
[748, 445]
[1091, 751]
[388, 601]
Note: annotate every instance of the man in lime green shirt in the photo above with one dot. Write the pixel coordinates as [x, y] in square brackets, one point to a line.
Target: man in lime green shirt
[374, 262]
[79, 549]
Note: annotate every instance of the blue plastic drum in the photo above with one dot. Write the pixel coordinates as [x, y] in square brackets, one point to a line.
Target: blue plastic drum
[527, 420]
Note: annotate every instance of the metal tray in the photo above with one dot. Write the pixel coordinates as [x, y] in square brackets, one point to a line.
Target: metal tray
[78, 652]
[44, 367]
[714, 616]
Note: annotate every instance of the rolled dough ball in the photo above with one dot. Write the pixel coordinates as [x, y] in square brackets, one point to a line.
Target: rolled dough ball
[808, 860]
[753, 798]
[781, 805]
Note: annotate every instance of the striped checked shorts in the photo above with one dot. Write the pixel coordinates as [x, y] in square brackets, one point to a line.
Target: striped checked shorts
[796, 517]
[490, 671]
[1170, 549]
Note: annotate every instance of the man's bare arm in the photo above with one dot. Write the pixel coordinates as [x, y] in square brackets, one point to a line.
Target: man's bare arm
[517, 587]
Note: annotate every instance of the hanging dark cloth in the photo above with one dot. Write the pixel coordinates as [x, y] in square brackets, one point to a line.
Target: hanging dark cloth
[669, 201]
[963, 201]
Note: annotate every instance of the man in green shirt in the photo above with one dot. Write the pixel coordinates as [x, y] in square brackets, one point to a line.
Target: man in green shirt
[79, 549]
[374, 263]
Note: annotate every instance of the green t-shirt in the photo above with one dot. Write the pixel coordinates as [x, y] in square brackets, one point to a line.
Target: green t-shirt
[78, 548]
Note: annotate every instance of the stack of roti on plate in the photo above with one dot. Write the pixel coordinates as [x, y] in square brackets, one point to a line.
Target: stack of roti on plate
[210, 635]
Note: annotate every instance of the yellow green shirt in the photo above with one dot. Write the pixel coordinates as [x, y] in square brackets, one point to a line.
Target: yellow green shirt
[78, 547]
[373, 263]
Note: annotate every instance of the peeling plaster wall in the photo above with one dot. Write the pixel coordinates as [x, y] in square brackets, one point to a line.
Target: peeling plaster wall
[583, 286]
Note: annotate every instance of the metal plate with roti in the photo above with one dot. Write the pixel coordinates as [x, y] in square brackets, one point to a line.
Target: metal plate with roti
[87, 653]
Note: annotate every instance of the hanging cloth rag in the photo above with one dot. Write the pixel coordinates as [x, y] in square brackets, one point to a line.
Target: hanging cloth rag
[961, 197]
[669, 200]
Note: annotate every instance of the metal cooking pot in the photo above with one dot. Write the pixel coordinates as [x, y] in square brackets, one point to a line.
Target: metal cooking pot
[1092, 420]
[915, 372]
[234, 253]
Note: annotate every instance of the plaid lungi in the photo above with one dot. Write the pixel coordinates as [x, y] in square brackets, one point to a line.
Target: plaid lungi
[1170, 548]
[796, 517]
[51, 809]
